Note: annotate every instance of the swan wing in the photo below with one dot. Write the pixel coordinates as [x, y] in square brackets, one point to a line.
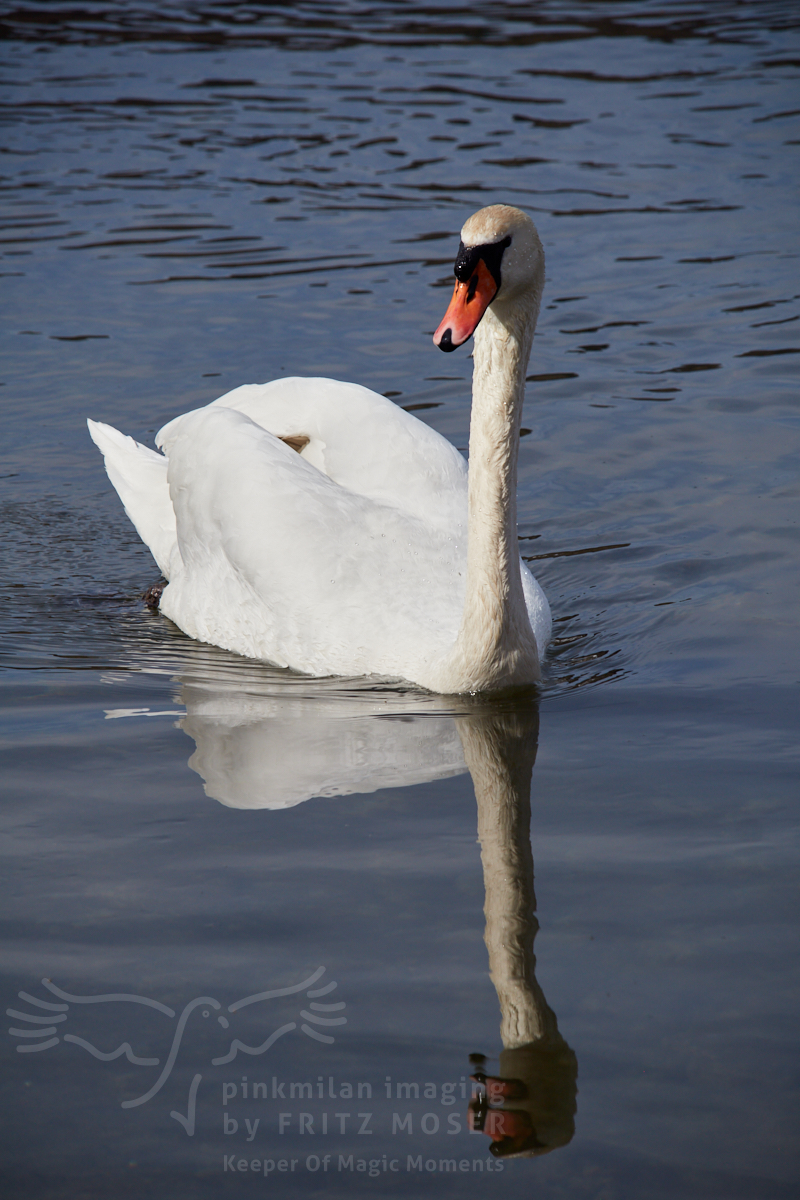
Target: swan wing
[360, 440]
[347, 557]
[281, 562]
[140, 477]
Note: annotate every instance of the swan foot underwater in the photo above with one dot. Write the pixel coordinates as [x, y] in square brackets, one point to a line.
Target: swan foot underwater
[315, 525]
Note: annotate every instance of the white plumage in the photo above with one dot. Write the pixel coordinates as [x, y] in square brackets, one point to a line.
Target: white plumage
[347, 558]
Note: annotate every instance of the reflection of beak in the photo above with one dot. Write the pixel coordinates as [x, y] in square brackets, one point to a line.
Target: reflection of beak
[470, 301]
[500, 1123]
[498, 1090]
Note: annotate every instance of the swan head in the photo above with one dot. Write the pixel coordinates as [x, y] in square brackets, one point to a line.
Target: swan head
[500, 262]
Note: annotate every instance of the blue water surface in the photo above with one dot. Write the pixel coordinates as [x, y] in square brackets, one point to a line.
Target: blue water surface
[198, 195]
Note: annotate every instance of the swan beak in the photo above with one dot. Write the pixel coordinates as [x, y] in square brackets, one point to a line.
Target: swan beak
[470, 301]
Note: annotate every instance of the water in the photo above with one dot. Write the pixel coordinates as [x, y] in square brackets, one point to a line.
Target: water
[197, 196]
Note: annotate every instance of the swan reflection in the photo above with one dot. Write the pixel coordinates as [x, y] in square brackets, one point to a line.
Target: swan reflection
[528, 1108]
[278, 748]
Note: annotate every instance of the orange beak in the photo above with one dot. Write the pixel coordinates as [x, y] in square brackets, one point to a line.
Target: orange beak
[470, 301]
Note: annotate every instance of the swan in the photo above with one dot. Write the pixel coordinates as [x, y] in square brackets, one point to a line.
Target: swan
[315, 525]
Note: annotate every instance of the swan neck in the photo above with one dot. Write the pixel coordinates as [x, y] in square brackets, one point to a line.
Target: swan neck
[495, 629]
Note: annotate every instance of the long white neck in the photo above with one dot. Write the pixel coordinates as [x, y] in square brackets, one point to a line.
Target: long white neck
[495, 645]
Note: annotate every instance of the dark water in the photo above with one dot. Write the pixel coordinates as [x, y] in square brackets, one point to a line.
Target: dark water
[201, 195]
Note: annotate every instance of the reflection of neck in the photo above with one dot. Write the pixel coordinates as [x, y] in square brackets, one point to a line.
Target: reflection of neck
[500, 750]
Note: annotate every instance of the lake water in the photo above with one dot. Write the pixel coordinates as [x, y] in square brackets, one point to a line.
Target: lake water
[201, 195]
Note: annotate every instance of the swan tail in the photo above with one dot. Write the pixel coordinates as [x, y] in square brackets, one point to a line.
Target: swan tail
[140, 478]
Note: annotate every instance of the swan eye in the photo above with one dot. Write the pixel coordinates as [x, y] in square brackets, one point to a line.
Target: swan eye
[491, 254]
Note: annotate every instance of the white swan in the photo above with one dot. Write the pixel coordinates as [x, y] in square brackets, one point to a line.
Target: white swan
[315, 525]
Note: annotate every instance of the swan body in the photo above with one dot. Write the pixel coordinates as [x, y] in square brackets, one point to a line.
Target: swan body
[316, 525]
